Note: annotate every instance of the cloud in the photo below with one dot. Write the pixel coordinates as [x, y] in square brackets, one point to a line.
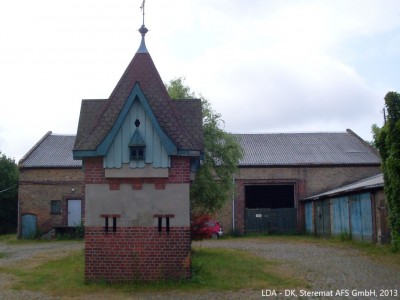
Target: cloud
[296, 65]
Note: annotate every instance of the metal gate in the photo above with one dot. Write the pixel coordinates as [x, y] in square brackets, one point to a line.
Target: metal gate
[28, 225]
[282, 220]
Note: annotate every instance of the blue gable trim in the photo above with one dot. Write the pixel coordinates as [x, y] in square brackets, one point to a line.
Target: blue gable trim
[136, 94]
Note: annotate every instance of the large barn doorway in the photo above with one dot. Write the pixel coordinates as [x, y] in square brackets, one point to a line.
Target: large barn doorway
[270, 208]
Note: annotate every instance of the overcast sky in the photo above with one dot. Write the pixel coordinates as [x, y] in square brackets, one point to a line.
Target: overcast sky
[266, 66]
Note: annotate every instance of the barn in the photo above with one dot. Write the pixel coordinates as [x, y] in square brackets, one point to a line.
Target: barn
[51, 187]
[280, 169]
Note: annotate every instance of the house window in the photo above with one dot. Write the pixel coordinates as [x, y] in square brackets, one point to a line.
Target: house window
[55, 206]
[137, 152]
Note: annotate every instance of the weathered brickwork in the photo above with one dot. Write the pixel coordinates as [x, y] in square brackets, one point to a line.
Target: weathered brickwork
[307, 181]
[38, 186]
[137, 254]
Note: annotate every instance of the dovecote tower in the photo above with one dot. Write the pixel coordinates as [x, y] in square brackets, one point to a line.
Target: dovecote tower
[139, 151]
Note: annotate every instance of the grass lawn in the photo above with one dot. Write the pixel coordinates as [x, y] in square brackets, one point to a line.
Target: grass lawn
[213, 270]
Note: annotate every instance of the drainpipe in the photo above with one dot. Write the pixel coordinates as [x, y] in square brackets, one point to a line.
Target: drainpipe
[233, 204]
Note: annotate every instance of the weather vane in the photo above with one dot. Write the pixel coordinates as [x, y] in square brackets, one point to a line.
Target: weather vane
[142, 9]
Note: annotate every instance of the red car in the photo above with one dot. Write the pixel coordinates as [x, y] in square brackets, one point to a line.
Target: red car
[206, 228]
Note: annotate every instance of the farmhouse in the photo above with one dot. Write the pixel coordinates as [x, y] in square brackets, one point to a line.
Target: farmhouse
[126, 176]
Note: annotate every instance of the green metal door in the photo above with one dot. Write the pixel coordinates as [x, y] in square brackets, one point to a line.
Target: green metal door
[283, 220]
[28, 225]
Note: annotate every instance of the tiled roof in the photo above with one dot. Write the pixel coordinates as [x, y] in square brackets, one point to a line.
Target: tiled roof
[142, 70]
[89, 115]
[277, 149]
[50, 152]
[375, 181]
[190, 111]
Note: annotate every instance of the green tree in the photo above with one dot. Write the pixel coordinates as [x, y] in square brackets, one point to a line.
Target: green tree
[387, 141]
[213, 183]
[8, 194]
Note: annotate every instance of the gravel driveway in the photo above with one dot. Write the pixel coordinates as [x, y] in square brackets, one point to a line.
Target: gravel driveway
[325, 268]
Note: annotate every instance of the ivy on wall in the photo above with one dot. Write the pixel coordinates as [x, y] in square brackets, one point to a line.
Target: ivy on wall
[387, 140]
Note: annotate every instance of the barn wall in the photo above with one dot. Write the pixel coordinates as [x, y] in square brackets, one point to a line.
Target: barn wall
[37, 187]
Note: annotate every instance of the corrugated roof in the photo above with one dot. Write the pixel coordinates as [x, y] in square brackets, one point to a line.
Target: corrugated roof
[50, 152]
[364, 184]
[321, 148]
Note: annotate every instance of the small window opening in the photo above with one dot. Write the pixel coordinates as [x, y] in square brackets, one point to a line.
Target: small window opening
[137, 152]
[159, 225]
[106, 225]
[114, 221]
[114, 224]
[55, 207]
[167, 224]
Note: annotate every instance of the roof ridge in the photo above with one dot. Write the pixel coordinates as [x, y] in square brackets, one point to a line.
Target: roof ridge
[375, 151]
[289, 132]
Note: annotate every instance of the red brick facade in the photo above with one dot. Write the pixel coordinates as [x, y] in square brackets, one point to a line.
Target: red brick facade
[179, 172]
[137, 254]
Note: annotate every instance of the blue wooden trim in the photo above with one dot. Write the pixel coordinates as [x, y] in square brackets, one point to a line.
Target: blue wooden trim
[136, 94]
[188, 152]
[79, 154]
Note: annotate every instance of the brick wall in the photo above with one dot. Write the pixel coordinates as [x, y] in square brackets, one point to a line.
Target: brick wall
[307, 181]
[179, 172]
[37, 187]
[137, 254]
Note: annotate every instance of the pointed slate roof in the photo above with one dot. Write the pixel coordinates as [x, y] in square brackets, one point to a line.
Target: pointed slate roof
[141, 70]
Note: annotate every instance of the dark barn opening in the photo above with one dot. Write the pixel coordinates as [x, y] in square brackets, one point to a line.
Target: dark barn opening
[270, 208]
[269, 196]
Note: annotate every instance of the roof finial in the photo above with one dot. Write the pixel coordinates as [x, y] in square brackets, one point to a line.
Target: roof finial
[143, 30]
[142, 9]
